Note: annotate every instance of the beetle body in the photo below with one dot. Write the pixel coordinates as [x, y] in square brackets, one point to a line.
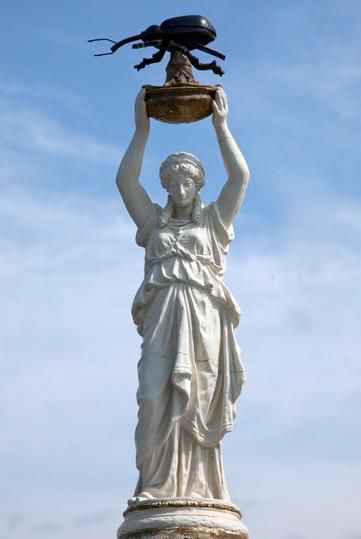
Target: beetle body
[182, 34]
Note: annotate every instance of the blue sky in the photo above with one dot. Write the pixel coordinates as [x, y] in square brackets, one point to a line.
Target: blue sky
[69, 266]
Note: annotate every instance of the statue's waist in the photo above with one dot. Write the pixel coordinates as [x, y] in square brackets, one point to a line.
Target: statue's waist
[173, 257]
[175, 270]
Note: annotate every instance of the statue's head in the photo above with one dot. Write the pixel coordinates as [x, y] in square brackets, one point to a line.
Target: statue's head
[182, 175]
[183, 163]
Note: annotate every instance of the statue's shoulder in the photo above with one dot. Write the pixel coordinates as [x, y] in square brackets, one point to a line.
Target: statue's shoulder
[143, 233]
[217, 228]
[210, 212]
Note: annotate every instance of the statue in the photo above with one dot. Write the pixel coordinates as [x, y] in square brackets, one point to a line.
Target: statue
[190, 372]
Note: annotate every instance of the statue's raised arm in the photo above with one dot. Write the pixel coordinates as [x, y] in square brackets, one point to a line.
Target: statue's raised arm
[233, 191]
[132, 192]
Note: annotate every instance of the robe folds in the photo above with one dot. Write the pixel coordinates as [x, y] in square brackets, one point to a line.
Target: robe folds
[190, 372]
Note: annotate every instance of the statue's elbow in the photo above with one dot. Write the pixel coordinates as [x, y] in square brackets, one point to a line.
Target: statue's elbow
[246, 176]
[119, 183]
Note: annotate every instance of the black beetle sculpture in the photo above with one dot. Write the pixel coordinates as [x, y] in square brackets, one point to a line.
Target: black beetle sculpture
[178, 34]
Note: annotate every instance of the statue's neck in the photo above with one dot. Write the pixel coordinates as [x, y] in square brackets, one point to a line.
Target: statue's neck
[185, 212]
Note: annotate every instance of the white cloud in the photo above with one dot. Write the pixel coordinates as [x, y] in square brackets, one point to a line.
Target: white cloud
[27, 127]
[95, 517]
[331, 80]
[36, 92]
[299, 497]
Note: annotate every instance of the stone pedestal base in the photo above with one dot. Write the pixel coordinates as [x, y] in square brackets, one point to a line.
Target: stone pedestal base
[182, 518]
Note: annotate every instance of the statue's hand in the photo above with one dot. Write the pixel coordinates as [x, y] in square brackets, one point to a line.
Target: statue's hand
[141, 116]
[220, 108]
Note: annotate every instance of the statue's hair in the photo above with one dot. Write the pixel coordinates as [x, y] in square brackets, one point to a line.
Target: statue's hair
[183, 162]
[187, 163]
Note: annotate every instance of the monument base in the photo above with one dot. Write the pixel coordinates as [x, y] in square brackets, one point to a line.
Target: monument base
[182, 518]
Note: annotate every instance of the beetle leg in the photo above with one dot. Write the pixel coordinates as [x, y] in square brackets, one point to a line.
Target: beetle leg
[157, 57]
[200, 47]
[217, 70]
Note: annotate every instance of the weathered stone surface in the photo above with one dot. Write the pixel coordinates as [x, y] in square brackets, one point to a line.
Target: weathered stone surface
[188, 533]
[182, 518]
[179, 70]
[135, 505]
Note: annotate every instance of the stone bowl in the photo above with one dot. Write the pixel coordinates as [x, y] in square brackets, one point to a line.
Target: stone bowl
[179, 103]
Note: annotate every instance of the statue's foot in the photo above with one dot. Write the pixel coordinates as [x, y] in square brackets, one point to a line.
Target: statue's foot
[134, 500]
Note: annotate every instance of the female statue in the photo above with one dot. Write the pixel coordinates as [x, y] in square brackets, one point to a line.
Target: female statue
[190, 373]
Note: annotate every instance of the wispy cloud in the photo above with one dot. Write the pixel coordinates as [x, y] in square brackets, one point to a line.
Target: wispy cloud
[27, 127]
[300, 288]
[90, 519]
[38, 93]
[15, 522]
[47, 527]
[332, 81]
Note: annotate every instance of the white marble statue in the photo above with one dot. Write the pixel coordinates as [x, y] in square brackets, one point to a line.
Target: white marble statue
[190, 372]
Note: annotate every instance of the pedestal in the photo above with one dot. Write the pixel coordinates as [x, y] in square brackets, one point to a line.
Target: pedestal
[182, 518]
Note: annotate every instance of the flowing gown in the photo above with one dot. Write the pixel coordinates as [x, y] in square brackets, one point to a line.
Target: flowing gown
[190, 372]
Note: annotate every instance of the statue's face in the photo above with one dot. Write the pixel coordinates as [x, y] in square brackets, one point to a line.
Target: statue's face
[182, 189]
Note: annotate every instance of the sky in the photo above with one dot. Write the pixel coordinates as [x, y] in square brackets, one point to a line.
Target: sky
[69, 266]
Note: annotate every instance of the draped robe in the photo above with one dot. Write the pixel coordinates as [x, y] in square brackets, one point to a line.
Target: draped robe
[190, 372]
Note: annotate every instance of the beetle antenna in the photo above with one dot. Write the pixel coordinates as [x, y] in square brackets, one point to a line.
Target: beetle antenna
[119, 44]
[102, 39]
